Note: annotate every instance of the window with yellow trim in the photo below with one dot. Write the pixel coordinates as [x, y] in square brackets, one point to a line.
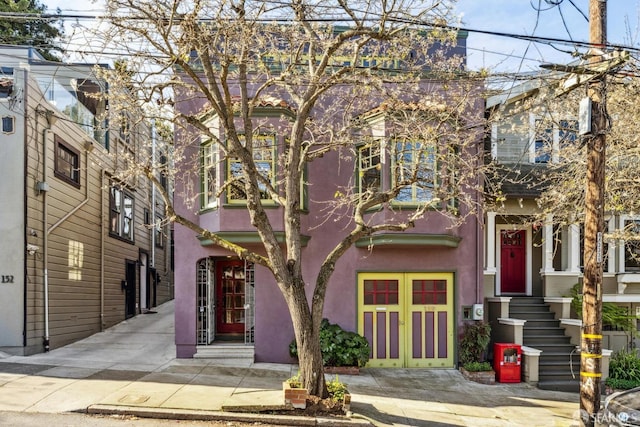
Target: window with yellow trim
[369, 174]
[209, 174]
[413, 171]
[264, 156]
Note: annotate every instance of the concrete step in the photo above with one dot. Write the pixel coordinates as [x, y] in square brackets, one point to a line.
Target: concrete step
[225, 351]
[572, 386]
[535, 340]
[552, 349]
[528, 314]
[542, 330]
[542, 323]
[526, 300]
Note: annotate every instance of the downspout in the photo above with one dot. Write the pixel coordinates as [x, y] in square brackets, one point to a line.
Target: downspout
[43, 188]
[102, 229]
[480, 243]
[153, 195]
[25, 109]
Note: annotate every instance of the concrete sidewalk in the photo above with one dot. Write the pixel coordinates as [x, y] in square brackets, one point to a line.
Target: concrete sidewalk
[131, 369]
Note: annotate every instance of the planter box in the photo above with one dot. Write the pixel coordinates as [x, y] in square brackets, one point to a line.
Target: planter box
[342, 370]
[346, 403]
[294, 397]
[482, 377]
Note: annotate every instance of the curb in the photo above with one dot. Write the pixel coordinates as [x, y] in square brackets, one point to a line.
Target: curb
[200, 415]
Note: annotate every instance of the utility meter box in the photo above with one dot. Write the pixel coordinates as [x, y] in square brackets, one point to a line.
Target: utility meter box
[507, 362]
[478, 312]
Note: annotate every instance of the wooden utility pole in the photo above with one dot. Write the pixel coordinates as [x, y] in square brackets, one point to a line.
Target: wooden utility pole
[591, 341]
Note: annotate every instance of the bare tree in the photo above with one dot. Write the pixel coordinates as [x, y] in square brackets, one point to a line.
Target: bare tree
[329, 68]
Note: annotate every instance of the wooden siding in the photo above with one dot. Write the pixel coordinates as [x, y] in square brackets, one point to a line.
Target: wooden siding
[76, 292]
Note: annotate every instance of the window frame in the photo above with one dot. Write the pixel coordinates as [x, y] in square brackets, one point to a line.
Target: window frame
[209, 197]
[234, 165]
[8, 120]
[552, 137]
[118, 219]
[158, 230]
[415, 188]
[370, 161]
[124, 130]
[625, 243]
[71, 173]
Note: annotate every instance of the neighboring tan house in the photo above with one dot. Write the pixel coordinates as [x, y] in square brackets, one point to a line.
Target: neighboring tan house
[408, 295]
[80, 252]
[532, 265]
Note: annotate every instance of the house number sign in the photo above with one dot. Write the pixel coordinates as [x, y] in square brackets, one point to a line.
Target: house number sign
[6, 278]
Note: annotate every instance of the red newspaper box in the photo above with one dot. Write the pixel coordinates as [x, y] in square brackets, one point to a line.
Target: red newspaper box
[507, 362]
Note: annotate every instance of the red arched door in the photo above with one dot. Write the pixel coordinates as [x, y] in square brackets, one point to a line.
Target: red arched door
[512, 262]
[230, 288]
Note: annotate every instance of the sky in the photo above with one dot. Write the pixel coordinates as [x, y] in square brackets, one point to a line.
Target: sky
[504, 54]
[520, 17]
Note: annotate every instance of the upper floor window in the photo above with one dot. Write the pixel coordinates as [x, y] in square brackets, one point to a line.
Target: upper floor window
[121, 209]
[81, 100]
[158, 230]
[264, 157]
[209, 174]
[413, 171]
[164, 181]
[543, 142]
[631, 229]
[8, 124]
[67, 163]
[550, 139]
[369, 167]
[125, 127]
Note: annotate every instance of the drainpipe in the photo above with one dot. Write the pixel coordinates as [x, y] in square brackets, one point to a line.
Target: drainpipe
[25, 131]
[43, 188]
[103, 220]
[153, 195]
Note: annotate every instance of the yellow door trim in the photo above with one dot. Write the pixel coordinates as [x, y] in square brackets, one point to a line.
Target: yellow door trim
[407, 328]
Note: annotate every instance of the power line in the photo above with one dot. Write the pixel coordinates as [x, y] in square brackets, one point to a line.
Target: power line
[417, 22]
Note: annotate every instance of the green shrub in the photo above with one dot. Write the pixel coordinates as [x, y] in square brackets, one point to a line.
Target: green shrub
[621, 384]
[613, 315]
[339, 347]
[625, 366]
[478, 366]
[474, 342]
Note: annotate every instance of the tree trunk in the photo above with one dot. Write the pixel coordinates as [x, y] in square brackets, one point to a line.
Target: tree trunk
[307, 332]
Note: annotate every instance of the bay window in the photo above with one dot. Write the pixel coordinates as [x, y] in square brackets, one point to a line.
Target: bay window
[209, 175]
[369, 167]
[414, 171]
[264, 157]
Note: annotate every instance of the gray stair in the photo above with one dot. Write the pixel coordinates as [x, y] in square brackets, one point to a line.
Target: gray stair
[234, 353]
[543, 332]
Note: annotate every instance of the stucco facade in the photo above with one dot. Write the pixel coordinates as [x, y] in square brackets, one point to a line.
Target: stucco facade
[443, 256]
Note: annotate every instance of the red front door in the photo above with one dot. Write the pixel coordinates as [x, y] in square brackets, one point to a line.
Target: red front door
[512, 262]
[230, 286]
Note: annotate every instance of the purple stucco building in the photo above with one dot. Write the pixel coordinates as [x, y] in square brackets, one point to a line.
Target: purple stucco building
[408, 292]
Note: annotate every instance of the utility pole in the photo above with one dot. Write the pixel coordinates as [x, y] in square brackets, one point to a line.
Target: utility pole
[591, 340]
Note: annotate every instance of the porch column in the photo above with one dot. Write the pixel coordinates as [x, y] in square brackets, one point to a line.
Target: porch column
[574, 248]
[547, 239]
[611, 258]
[490, 228]
[621, 246]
